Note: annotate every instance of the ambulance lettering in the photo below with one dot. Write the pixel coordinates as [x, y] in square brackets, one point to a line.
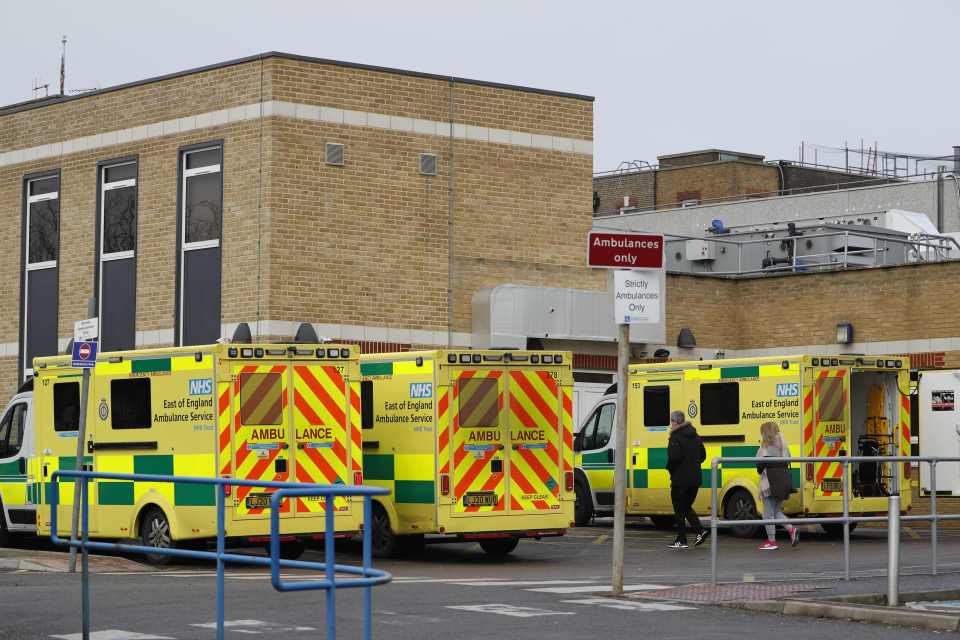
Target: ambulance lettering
[314, 433]
[484, 435]
[421, 390]
[268, 433]
[788, 389]
[201, 386]
[533, 435]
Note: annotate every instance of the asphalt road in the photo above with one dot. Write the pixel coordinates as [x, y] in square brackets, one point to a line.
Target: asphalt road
[547, 589]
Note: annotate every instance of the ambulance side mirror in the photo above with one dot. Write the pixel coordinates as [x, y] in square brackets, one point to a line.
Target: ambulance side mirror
[23, 466]
[609, 455]
[578, 440]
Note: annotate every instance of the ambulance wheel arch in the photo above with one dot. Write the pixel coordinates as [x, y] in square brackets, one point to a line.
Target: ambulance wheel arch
[385, 543]
[740, 500]
[152, 509]
[585, 510]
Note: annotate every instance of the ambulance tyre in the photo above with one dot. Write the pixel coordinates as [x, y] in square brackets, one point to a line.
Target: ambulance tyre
[835, 531]
[155, 532]
[583, 506]
[384, 542]
[4, 533]
[500, 547]
[291, 550]
[739, 505]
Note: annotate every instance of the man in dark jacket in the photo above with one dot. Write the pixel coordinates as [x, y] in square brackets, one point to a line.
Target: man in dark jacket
[685, 452]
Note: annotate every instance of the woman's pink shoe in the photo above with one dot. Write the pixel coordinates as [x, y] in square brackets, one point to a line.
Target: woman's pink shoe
[768, 546]
[794, 537]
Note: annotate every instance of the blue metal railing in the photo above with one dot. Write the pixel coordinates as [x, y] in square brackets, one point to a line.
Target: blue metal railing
[369, 577]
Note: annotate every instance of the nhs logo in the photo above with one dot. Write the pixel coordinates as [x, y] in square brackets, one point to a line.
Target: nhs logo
[788, 389]
[201, 387]
[421, 389]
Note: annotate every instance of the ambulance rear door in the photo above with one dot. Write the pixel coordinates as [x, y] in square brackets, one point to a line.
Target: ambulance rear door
[831, 427]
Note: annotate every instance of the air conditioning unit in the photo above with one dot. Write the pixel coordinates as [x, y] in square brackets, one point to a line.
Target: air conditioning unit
[700, 250]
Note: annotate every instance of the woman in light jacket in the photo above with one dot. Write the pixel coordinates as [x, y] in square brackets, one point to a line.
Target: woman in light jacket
[776, 484]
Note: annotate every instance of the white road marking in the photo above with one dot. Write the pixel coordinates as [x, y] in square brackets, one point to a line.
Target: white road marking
[629, 605]
[599, 588]
[519, 583]
[254, 627]
[113, 634]
[511, 610]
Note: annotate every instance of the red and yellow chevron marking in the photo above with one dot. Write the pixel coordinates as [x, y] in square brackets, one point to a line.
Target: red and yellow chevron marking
[832, 410]
[443, 427]
[356, 434]
[224, 457]
[567, 428]
[249, 463]
[472, 469]
[904, 425]
[535, 441]
[322, 443]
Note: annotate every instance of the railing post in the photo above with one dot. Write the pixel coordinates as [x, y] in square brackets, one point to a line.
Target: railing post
[713, 521]
[846, 521]
[85, 556]
[933, 512]
[221, 534]
[328, 542]
[893, 550]
[368, 590]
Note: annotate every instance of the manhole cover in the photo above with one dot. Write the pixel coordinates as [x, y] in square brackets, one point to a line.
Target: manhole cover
[707, 593]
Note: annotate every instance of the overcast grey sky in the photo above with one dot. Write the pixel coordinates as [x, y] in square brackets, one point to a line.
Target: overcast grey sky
[668, 76]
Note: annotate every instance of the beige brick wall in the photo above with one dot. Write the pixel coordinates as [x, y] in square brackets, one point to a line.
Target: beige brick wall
[715, 180]
[364, 244]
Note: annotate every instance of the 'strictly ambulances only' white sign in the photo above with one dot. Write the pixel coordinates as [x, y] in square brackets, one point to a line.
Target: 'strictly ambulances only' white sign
[637, 297]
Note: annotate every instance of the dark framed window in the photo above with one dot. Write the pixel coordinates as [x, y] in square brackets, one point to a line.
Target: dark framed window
[656, 406]
[605, 417]
[39, 275]
[117, 265]
[11, 430]
[366, 404]
[200, 227]
[66, 406]
[131, 407]
[720, 403]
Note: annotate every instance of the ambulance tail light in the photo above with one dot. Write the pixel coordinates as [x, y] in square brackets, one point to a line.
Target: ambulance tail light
[568, 481]
[809, 472]
[444, 484]
[358, 478]
[226, 488]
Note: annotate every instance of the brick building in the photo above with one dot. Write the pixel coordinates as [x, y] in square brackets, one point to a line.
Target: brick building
[276, 189]
[712, 175]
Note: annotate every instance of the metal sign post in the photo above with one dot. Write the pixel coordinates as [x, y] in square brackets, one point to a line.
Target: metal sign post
[639, 299]
[84, 357]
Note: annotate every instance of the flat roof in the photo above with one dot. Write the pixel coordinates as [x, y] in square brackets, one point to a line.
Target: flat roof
[695, 153]
[51, 100]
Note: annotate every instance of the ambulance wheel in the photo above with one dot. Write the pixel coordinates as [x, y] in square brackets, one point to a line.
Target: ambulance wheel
[291, 550]
[835, 531]
[663, 522]
[499, 547]
[583, 506]
[739, 505]
[4, 532]
[155, 532]
[384, 543]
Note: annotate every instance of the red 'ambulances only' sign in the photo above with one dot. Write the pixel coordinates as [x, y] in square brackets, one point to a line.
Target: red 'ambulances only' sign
[624, 250]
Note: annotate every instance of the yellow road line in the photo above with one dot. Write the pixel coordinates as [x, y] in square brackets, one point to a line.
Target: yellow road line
[910, 532]
[601, 539]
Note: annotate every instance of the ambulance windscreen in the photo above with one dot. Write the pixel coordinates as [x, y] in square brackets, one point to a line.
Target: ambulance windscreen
[479, 402]
[66, 406]
[261, 398]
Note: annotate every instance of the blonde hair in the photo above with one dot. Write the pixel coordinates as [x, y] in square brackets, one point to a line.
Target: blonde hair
[769, 433]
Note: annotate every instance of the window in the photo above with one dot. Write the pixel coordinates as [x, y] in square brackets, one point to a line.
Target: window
[66, 406]
[11, 430]
[261, 398]
[656, 406]
[604, 425]
[201, 221]
[41, 228]
[334, 153]
[830, 399]
[131, 403]
[720, 403]
[117, 267]
[366, 404]
[428, 164]
[479, 402]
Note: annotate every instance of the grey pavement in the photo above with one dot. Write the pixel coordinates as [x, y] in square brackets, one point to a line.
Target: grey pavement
[548, 589]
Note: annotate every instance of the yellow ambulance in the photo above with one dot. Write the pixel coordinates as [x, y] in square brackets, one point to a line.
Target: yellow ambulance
[473, 445]
[280, 412]
[826, 406]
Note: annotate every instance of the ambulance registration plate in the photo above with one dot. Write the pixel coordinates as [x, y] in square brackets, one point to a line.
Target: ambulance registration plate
[480, 500]
[834, 485]
[258, 501]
